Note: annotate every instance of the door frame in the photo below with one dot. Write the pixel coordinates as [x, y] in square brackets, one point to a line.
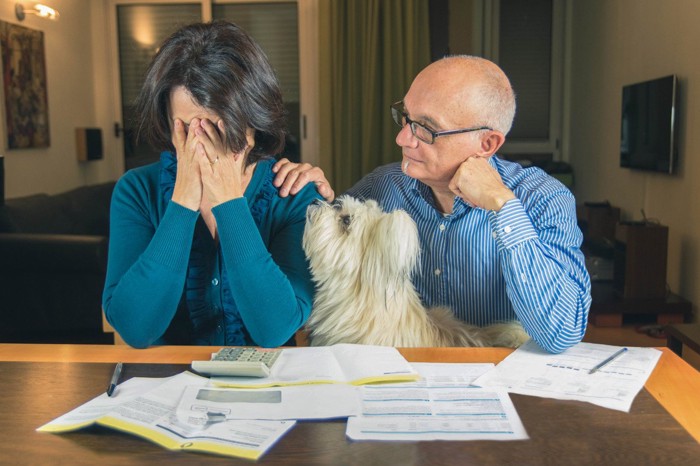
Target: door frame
[309, 103]
[486, 40]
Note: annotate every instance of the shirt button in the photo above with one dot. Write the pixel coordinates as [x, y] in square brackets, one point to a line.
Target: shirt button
[494, 234]
[507, 229]
[442, 227]
[215, 282]
[218, 329]
[438, 272]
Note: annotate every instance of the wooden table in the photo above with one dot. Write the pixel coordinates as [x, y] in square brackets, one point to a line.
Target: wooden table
[41, 382]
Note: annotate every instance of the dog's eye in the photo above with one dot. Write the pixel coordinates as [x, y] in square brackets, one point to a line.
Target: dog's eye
[346, 220]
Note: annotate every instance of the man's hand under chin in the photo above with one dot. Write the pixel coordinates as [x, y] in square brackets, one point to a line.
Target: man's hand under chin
[480, 185]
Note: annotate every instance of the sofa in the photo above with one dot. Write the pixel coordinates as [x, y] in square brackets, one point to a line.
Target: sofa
[53, 258]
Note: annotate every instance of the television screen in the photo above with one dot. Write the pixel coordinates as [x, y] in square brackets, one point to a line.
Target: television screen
[648, 133]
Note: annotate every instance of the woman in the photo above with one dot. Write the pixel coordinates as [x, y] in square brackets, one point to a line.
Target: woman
[202, 249]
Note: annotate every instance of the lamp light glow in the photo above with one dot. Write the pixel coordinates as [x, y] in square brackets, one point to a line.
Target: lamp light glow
[39, 9]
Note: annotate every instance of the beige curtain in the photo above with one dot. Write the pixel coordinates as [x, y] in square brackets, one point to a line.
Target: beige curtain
[370, 52]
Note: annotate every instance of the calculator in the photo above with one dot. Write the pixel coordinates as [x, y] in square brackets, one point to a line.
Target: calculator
[239, 362]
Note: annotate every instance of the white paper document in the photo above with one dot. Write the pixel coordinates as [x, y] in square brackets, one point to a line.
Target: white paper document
[147, 408]
[342, 363]
[447, 373]
[441, 406]
[530, 370]
[88, 413]
[199, 405]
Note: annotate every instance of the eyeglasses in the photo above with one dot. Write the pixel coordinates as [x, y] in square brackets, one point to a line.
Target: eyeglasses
[422, 132]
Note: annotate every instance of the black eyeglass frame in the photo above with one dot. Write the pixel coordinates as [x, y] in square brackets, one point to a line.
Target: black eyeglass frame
[398, 114]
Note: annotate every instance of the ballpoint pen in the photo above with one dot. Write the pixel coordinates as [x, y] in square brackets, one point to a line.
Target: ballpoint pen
[607, 361]
[115, 379]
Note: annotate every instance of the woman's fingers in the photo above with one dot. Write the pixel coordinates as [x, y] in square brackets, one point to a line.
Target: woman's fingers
[179, 136]
[222, 177]
[213, 139]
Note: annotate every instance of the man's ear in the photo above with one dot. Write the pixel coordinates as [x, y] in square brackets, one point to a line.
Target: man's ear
[491, 143]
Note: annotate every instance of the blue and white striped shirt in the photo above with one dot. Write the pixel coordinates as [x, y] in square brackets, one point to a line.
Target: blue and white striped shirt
[522, 262]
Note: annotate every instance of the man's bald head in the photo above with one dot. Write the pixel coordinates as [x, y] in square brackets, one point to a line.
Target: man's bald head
[471, 88]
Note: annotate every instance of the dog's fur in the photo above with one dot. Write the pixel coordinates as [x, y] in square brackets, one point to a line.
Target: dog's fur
[362, 259]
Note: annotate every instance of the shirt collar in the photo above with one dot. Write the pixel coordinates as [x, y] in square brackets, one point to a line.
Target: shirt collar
[424, 191]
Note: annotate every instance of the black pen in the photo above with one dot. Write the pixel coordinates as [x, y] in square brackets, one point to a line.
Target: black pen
[607, 361]
[115, 379]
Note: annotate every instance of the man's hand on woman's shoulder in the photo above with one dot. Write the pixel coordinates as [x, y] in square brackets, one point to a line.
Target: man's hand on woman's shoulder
[292, 177]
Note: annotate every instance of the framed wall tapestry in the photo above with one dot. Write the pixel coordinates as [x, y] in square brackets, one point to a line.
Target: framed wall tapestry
[24, 85]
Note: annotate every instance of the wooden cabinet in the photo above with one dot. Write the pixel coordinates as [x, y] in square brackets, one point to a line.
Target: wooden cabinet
[640, 260]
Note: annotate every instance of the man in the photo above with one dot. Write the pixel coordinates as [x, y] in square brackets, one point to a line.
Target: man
[499, 242]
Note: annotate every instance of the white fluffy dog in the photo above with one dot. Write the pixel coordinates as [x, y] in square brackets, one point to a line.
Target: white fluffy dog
[362, 259]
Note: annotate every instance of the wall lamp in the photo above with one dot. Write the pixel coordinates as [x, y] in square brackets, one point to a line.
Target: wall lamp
[40, 10]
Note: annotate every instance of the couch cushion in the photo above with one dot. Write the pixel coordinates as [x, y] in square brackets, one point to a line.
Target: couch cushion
[81, 211]
[37, 213]
[88, 209]
[6, 225]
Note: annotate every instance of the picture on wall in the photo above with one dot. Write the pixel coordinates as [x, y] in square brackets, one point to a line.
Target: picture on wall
[24, 84]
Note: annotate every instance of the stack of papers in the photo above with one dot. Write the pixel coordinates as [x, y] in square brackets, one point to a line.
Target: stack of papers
[444, 402]
[185, 412]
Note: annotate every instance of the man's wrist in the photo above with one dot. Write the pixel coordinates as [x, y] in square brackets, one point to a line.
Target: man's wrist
[500, 199]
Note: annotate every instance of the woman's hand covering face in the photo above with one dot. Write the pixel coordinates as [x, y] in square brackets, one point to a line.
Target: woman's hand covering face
[222, 170]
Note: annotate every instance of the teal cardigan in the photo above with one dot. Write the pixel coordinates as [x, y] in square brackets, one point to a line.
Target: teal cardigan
[169, 282]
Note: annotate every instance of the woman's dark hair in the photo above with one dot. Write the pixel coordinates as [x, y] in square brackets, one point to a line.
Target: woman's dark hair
[226, 72]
